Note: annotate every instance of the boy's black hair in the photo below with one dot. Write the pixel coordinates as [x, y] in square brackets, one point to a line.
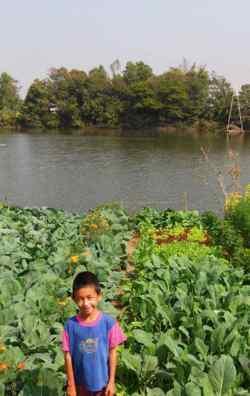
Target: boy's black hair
[84, 279]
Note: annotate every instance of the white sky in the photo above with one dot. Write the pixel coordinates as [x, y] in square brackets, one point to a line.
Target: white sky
[37, 35]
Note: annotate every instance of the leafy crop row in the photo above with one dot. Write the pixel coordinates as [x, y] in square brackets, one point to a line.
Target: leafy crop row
[40, 251]
[185, 306]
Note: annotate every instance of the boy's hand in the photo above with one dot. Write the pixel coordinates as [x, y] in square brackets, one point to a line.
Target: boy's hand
[110, 389]
[71, 391]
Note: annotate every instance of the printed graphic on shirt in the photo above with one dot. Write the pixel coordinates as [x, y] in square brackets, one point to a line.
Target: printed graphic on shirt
[89, 345]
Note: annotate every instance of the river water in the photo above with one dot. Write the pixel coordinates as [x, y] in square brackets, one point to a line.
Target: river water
[78, 172]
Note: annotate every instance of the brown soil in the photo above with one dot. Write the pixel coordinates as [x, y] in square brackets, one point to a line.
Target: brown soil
[131, 246]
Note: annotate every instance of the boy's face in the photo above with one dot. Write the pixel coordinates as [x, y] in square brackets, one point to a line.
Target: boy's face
[87, 299]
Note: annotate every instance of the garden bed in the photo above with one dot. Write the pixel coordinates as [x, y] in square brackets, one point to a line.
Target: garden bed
[176, 280]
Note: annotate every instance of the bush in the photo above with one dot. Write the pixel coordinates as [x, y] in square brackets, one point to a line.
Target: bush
[212, 224]
[230, 238]
[222, 233]
[167, 218]
[239, 217]
[242, 259]
[94, 225]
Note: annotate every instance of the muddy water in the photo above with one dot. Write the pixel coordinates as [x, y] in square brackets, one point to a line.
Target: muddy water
[77, 172]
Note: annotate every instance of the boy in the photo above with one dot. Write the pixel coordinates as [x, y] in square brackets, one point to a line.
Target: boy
[90, 341]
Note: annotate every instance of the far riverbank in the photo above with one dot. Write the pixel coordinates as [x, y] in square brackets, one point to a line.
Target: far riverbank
[201, 127]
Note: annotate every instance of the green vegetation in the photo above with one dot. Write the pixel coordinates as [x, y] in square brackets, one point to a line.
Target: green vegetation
[183, 300]
[132, 98]
[10, 103]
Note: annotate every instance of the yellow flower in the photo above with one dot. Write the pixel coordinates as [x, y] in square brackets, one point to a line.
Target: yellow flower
[93, 226]
[74, 259]
[2, 348]
[62, 302]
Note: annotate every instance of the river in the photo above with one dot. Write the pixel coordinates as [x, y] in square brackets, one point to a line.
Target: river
[78, 172]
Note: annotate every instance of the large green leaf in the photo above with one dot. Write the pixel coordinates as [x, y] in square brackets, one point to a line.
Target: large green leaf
[206, 386]
[143, 337]
[13, 356]
[222, 375]
[2, 388]
[176, 391]
[170, 343]
[245, 364]
[201, 347]
[131, 360]
[150, 364]
[155, 392]
[192, 390]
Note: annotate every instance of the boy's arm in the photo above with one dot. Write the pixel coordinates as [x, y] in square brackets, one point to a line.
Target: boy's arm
[71, 387]
[110, 389]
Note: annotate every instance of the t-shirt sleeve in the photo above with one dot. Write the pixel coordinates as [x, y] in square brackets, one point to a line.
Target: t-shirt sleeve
[116, 336]
[65, 341]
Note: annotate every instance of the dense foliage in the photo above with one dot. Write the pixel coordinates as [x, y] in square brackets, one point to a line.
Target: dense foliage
[184, 303]
[10, 102]
[134, 98]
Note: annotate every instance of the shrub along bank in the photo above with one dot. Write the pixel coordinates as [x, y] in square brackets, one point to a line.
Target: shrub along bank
[184, 307]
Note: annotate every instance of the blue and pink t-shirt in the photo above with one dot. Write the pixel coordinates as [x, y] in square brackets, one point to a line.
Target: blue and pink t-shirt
[89, 344]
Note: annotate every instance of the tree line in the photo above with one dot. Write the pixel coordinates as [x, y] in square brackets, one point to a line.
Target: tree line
[132, 98]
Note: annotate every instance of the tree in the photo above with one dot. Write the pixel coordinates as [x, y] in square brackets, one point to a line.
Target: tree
[141, 106]
[172, 93]
[69, 92]
[10, 101]
[134, 98]
[219, 98]
[102, 106]
[36, 110]
[115, 68]
[9, 97]
[98, 78]
[244, 97]
[137, 72]
[197, 82]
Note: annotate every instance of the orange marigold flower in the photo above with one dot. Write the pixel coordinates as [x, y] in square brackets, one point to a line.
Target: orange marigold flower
[74, 259]
[3, 366]
[21, 366]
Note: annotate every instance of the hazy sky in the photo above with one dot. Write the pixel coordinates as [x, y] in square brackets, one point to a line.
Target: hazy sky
[37, 35]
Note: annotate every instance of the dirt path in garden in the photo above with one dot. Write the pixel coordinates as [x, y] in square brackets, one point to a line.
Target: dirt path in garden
[131, 246]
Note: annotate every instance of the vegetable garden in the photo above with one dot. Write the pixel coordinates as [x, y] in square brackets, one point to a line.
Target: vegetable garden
[183, 299]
